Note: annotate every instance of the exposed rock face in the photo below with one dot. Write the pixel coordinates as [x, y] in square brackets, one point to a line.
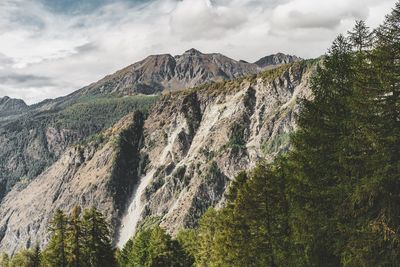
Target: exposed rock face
[10, 106]
[197, 141]
[276, 60]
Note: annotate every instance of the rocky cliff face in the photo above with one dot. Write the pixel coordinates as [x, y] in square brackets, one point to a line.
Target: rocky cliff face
[169, 167]
[197, 141]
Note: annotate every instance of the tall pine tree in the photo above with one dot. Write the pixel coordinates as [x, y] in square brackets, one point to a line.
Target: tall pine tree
[56, 253]
[96, 242]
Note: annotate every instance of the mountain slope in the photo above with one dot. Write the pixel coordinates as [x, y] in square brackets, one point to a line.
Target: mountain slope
[172, 168]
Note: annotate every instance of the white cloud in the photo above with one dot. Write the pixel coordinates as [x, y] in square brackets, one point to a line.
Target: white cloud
[62, 52]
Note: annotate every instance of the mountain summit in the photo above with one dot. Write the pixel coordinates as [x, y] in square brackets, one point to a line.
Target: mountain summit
[165, 72]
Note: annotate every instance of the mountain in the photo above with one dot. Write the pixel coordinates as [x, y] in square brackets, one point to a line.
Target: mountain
[84, 148]
[34, 137]
[167, 167]
[276, 60]
[11, 105]
[159, 73]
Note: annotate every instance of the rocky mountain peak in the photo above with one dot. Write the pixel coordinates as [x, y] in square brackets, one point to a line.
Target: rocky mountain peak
[276, 60]
[159, 73]
[192, 52]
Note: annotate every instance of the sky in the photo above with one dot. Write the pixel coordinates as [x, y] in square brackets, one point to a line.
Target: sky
[49, 48]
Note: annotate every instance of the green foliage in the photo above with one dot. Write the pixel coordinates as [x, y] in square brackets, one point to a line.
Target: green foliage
[55, 253]
[275, 73]
[96, 240]
[78, 240]
[252, 230]
[149, 222]
[102, 112]
[275, 144]
[236, 138]
[24, 258]
[331, 201]
[153, 247]
[4, 259]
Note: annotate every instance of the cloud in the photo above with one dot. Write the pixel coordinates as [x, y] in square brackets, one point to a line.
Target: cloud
[25, 80]
[50, 48]
[206, 19]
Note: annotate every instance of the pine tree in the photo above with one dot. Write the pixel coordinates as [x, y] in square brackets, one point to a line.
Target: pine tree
[320, 183]
[361, 38]
[36, 256]
[96, 242]
[55, 253]
[74, 237]
[140, 255]
[124, 254]
[24, 258]
[4, 259]
[377, 241]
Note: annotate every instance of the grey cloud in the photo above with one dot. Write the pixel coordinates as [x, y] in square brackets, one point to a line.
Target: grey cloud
[26, 80]
[89, 47]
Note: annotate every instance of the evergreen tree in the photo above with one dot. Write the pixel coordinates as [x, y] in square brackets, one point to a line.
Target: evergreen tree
[124, 254]
[96, 249]
[320, 182]
[377, 241]
[37, 256]
[55, 253]
[74, 237]
[24, 258]
[4, 259]
[361, 38]
[209, 227]
[154, 247]
[140, 255]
